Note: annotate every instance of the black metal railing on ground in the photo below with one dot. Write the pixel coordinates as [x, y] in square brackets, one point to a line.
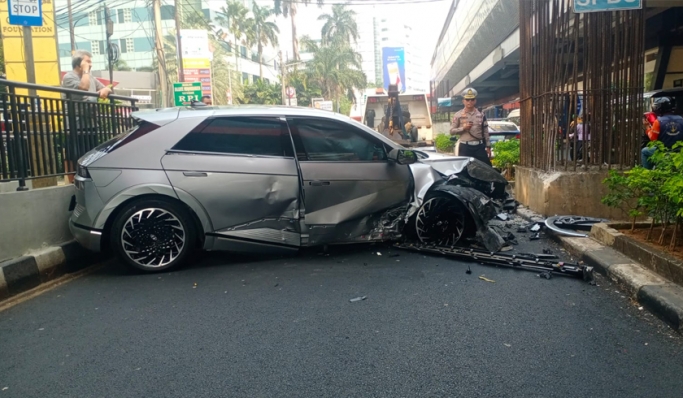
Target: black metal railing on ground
[44, 136]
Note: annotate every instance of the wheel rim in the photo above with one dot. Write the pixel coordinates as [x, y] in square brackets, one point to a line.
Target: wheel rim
[440, 221]
[153, 237]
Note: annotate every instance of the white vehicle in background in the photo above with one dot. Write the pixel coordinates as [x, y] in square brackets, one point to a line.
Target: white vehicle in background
[415, 104]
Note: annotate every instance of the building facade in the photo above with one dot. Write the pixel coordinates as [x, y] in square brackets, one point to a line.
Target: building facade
[134, 34]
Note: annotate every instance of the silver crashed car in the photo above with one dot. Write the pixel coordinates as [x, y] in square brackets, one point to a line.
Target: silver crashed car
[270, 179]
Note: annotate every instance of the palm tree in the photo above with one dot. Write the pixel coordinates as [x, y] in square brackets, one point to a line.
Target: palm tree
[340, 26]
[234, 15]
[336, 70]
[261, 31]
[285, 7]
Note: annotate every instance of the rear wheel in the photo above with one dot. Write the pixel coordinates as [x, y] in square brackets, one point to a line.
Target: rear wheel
[153, 235]
[441, 220]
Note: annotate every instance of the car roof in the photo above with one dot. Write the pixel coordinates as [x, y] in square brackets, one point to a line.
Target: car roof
[164, 116]
[663, 93]
[233, 110]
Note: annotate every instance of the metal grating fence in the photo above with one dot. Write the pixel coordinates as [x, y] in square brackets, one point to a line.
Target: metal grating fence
[581, 83]
[42, 137]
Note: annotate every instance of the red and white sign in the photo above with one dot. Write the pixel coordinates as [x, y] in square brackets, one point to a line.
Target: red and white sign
[291, 92]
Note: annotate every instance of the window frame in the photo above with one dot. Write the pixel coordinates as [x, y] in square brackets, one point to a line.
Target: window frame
[297, 141]
[288, 149]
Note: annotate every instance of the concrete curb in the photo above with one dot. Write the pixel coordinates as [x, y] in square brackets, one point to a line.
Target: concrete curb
[653, 259]
[27, 272]
[657, 294]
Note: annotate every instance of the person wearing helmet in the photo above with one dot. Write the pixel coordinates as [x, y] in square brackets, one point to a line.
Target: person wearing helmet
[667, 128]
[471, 125]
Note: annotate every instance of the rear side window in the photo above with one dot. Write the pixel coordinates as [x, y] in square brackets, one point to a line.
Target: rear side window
[237, 135]
[140, 129]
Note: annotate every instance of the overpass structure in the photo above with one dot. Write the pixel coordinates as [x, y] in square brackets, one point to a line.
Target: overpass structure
[479, 47]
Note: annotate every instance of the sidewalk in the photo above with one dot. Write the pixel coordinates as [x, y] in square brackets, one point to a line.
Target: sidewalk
[659, 295]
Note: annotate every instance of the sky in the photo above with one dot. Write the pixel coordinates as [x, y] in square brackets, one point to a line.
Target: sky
[426, 18]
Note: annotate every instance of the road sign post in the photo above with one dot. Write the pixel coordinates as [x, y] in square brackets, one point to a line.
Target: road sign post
[581, 6]
[291, 96]
[25, 12]
[185, 93]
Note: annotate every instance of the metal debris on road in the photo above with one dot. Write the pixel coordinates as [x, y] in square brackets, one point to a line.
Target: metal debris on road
[535, 236]
[469, 270]
[545, 275]
[502, 216]
[535, 228]
[485, 279]
[525, 262]
[354, 300]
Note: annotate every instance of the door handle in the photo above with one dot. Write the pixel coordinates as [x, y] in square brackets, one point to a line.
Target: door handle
[194, 174]
[319, 183]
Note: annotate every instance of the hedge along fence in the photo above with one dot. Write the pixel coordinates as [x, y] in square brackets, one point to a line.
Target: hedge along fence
[656, 193]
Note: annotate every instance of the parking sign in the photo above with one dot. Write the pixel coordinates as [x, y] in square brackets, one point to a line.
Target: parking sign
[25, 12]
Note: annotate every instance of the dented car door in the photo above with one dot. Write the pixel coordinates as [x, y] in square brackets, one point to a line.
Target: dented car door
[242, 171]
[347, 178]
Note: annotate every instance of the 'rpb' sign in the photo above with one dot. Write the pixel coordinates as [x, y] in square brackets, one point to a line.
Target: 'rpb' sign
[606, 5]
[25, 12]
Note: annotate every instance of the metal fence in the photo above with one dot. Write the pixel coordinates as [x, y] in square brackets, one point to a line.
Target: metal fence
[581, 83]
[44, 136]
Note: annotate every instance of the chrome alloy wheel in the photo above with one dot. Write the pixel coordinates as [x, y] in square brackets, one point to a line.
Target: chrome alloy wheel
[440, 221]
[153, 237]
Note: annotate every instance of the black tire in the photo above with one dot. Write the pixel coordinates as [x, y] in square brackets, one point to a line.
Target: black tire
[442, 220]
[159, 235]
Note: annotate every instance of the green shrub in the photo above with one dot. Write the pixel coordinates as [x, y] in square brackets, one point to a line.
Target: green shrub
[656, 193]
[506, 154]
[443, 143]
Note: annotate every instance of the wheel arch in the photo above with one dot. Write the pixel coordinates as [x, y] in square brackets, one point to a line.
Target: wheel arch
[479, 206]
[116, 205]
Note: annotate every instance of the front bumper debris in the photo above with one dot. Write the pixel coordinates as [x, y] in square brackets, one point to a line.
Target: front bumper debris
[528, 262]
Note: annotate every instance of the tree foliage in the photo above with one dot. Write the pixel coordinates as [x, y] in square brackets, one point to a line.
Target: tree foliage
[657, 193]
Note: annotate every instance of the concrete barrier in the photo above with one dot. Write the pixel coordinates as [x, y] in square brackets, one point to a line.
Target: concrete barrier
[564, 193]
[33, 220]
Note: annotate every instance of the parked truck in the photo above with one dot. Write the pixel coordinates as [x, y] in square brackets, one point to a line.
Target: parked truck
[416, 117]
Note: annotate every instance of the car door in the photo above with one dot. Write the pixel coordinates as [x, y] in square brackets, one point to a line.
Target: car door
[347, 178]
[243, 172]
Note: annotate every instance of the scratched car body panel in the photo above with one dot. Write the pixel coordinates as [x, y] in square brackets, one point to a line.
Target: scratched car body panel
[261, 179]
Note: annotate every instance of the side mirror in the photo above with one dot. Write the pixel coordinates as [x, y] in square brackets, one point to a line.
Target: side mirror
[403, 156]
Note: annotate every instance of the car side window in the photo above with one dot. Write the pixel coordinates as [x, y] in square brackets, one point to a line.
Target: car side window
[238, 135]
[332, 141]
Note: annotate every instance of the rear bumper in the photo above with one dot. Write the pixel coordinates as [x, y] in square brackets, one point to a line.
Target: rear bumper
[89, 238]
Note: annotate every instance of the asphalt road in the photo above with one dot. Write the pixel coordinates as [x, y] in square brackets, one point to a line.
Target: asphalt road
[247, 327]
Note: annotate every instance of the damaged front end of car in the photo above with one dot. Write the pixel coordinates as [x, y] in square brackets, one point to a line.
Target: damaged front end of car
[453, 201]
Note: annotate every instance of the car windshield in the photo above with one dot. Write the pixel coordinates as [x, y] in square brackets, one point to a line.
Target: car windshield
[500, 127]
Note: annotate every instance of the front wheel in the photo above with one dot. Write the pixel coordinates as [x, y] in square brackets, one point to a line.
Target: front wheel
[153, 235]
[441, 220]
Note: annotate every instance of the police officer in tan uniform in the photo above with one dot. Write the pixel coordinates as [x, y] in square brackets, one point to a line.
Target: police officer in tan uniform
[471, 126]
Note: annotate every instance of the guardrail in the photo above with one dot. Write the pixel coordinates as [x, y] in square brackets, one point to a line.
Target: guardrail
[43, 136]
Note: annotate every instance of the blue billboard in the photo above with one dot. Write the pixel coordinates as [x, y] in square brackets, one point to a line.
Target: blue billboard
[394, 67]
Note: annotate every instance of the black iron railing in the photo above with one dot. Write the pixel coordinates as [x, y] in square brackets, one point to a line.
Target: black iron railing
[44, 136]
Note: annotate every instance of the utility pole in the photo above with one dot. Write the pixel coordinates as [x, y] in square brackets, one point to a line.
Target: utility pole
[72, 34]
[160, 54]
[28, 56]
[110, 50]
[178, 18]
[283, 78]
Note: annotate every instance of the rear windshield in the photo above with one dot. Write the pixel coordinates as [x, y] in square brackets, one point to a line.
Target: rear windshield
[502, 127]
